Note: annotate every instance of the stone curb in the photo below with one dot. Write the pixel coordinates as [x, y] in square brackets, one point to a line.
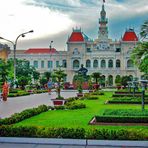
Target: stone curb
[81, 142]
[121, 143]
[51, 141]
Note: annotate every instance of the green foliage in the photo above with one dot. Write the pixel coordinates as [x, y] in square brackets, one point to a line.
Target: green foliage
[96, 76]
[118, 80]
[140, 56]
[23, 81]
[73, 133]
[59, 76]
[5, 68]
[74, 105]
[127, 100]
[125, 112]
[122, 119]
[79, 83]
[124, 80]
[47, 75]
[121, 134]
[144, 30]
[17, 117]
[18, 94]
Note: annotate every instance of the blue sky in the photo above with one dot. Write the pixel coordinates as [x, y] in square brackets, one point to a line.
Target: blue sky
[54, 19]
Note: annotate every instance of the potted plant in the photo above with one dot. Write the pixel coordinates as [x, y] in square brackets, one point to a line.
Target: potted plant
[96, 76]
[59, 76]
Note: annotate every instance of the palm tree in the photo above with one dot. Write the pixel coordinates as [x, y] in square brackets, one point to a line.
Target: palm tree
[144, 30]
[59, 76]
[96, 76]
[140, 52]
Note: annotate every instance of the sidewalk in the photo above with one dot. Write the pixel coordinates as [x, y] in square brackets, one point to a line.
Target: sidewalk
[18, 104]
[14, 142]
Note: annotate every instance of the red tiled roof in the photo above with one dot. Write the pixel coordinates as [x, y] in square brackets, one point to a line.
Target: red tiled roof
[76, 37]
[41, 51]
[130, 36]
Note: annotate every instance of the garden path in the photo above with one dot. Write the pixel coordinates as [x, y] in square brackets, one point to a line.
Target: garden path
[18, 104]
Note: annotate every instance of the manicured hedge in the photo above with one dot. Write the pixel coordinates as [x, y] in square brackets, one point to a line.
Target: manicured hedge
[74, 105]
[127, 92]
[18, 94]
[126, 95]
[122, 119]
[17, 117]
[127, 100]
[74, 133]
[125, 112]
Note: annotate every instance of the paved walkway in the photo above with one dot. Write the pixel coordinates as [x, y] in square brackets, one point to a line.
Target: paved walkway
[18, 104]
[14, 142]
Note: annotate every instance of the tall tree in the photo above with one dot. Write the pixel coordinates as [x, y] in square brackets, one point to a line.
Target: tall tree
[140, 52]
[144, 30]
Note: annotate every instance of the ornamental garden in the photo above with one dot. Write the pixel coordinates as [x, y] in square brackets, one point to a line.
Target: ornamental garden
[119, 113]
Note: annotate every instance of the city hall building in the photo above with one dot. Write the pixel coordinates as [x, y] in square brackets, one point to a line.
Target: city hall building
[110, 58]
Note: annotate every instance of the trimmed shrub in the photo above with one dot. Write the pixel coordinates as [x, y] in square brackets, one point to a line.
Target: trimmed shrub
[74, 133]
[127, 100]
[125, 112]
[59, 107]
[122, 119]
[17, 117]
[74, 105]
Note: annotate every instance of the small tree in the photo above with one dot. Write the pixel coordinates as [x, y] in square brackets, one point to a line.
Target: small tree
[96, 76]
[59, 76]
[79, 83]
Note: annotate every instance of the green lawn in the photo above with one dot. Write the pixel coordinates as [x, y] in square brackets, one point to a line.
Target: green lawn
[80, 117]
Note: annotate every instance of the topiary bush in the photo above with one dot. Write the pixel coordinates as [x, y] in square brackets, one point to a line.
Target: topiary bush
[74, 105]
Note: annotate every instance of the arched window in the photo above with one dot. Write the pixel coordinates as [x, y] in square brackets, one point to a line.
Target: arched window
[118, 63]
[110, 80]
[88, 64]
[131, 77]
[130, 64]
[95, 64]
[50, 64]
[64, 63]
[110, 63]
[35, 64]
[102, 81]
[103, 64]
[76, 64]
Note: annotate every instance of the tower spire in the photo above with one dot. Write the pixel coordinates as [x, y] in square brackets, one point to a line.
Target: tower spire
[103, 29]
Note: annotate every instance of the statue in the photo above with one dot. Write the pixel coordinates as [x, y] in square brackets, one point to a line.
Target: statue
[82, 70]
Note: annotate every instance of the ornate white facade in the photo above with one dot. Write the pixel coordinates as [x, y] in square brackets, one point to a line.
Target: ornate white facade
[110, 58]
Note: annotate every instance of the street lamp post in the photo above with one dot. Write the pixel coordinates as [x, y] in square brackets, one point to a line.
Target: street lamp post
[50, 47]
[14, 49]
[143, 84]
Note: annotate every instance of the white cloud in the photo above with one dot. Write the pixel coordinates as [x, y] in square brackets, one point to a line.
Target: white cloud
[16, 18]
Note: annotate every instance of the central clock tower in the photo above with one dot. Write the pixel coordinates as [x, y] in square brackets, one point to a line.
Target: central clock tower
[103, 29]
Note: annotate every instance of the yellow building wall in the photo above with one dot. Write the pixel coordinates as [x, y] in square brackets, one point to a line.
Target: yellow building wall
[4, 54]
